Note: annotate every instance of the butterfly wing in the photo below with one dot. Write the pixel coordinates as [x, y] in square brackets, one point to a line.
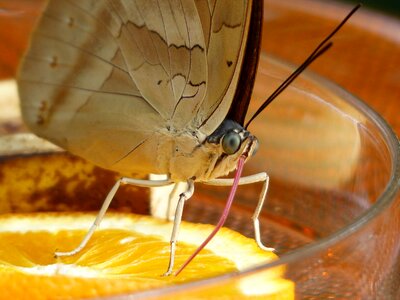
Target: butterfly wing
[101, 78]
[227, 38]
[238, 109]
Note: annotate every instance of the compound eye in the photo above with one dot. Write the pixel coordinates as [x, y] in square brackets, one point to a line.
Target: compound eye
[231, 142]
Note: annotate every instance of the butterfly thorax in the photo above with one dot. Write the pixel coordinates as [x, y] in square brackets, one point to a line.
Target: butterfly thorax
[194, 155]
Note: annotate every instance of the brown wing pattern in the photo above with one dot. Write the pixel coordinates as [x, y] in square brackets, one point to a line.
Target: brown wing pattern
[101, 77]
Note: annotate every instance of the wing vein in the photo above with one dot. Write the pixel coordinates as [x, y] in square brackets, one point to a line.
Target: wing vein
[83, 50]
[152, 40]
[190, 63]
[169, 74]
[96, 91]
[131, 151]
[97, 20]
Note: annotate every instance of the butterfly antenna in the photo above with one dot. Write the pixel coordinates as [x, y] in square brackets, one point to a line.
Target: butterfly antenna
[225, 213]
[318, 51]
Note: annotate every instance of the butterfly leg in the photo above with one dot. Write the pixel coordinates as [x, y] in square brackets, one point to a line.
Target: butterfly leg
[159, 207]
[183, 197]
[106, 204]
[260, 177]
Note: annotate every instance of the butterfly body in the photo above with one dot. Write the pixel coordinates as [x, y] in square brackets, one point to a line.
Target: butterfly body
[187, 154]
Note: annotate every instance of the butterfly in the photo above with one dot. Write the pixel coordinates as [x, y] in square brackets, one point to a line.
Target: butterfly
[149, 87]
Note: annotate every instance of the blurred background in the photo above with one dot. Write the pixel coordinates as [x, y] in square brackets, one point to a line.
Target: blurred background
[388, 6]
[365, 60]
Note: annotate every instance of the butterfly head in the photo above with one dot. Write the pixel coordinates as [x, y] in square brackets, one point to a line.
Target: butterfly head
[230, 141]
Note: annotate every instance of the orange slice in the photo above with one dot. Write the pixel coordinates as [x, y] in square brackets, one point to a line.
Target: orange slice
[128, 253]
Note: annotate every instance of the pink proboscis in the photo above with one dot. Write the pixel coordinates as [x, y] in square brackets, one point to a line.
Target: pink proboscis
[224, 215]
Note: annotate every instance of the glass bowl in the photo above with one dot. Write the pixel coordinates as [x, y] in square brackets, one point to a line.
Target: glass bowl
[331, 211]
